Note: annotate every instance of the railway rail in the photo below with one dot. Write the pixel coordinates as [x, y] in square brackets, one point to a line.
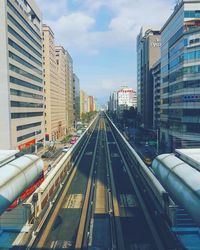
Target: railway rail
[61, 226]
[103, 204]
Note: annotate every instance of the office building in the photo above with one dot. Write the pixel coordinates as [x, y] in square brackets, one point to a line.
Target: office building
[156, 95]
[54, 87]
[77, 97]
[21, 80]
[148, 52]
[180, 77]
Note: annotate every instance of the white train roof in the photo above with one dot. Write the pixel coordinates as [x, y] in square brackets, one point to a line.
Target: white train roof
[7, 155]
[190, 156]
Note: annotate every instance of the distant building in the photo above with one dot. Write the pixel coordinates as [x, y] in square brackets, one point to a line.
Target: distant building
[180, 77]
[148, 52]
[91, 104]
[70, 92]
[156, 94]
[83, 102]
[113, 102]
[95, 104]
[54, 87]
[21, 80]
[77, 97]
[126, 98]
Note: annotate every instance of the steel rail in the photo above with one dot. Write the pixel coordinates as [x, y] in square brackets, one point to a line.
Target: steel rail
[160, 245]
[119, 235]
[108, 206]
[50, 221]
[83, 225]
[110, 197]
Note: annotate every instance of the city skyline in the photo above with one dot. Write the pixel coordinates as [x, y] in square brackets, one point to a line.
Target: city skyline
[101, 37]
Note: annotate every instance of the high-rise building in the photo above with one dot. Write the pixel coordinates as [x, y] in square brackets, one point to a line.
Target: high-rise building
[90, 103]
[82, 98]
[148, 52]
[70, 92]
[21, 81]
[86, 108]
[62, 78]
[83, 102]
[95, 105]
[77, 97]
[180, 77]
[54, 87]
[156, 95]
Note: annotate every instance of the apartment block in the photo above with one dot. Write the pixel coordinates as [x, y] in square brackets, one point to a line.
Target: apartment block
[21, 80]
[180, 77]
[148, 52]
[54, 87]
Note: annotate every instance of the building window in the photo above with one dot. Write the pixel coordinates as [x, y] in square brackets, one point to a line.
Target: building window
[23, 62]
[193, 14]
[24, 137]
[26, 104]
[24, 31]
[23, 20]
[25, 84]
[24, 52]
[25, 94]
[18, 37]
[31, 125]
[24, 73]
[25, 115]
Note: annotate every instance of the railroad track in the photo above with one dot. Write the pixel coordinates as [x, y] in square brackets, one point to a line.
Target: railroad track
[101, 206]
[60, 228]
[99, 227]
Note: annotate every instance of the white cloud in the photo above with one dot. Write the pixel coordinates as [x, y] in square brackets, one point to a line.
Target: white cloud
[106, 85]
[74, 30]
[53, 8]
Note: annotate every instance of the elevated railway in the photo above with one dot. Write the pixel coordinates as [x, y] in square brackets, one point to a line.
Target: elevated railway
[107, 199]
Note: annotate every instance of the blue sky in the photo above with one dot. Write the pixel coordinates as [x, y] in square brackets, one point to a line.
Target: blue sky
[101, 35]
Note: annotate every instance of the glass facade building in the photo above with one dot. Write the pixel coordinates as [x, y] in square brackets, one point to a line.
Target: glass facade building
[148, 52]
[180, 74]
[156, 95]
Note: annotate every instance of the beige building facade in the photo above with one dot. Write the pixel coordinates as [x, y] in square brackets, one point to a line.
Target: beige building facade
[54, 89]
[21, 81]
[84, 102]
